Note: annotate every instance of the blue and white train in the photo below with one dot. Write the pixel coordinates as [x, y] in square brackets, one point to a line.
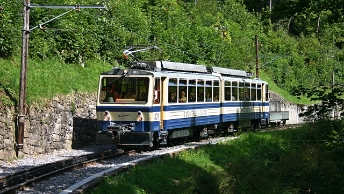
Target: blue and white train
[157, 101]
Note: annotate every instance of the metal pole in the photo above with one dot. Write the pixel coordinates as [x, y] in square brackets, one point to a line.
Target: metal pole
[335, 107]
[24, 64]
[270, 6]
[332, 79]
[257, 62]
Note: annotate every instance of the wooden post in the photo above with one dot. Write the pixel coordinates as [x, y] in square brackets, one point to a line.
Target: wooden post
[23, 71]
[257, 61]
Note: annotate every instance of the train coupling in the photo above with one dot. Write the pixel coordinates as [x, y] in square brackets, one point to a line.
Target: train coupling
[163, 137]
[263, 122]
[231, 129]
[204, 133]
[120, 128]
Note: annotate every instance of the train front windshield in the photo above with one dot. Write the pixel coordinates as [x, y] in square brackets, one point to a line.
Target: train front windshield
[124, 90]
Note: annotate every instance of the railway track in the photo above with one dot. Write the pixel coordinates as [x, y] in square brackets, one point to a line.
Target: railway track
[19, 180]
[24, 179]
[15, 181]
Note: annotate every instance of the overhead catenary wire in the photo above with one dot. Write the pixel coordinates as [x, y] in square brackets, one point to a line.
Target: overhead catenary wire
[41, 25]
[72, 7]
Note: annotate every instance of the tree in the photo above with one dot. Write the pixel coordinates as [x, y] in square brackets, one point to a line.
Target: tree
[328, 102]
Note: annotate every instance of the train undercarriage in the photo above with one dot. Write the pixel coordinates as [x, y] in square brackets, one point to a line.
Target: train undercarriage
[123, 135]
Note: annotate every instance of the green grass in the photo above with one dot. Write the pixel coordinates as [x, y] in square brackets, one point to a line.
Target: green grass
[291, 161]
[48, 78]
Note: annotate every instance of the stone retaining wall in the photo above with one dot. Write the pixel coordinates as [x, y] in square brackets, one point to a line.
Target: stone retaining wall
[66, 122]
[277, 103]
[69, 122]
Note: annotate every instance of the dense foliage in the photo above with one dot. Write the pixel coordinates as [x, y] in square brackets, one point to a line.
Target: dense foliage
[300, 41]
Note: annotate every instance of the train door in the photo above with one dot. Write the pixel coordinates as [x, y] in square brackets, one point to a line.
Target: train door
[157, 99]
[265, 101]
[163, 99]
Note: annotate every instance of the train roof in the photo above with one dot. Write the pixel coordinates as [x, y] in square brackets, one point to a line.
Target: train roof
[196, 68]
[186, 75]
[161, 68]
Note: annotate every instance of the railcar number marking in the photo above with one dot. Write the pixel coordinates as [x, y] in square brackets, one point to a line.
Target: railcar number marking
[195, 113]
[123, 115]
[156, 116]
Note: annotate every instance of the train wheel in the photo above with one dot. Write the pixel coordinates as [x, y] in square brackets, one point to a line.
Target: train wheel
[197, 134]
[258, 126]
[252, 127]
[255, 125]
[283, 122]
[231, 129]
[155, 140]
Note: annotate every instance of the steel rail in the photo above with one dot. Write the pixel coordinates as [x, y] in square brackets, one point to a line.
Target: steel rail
[20, 179]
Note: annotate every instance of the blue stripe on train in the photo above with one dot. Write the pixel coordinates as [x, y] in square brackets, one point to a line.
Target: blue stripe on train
[191, 121]
[206, 120]
[242, 116]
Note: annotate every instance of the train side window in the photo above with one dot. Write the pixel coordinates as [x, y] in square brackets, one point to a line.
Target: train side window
[241, 91]
[209, 91]
[259, 92]
[235, 91]
[192, 91]
[172, 90]
[104, 95]
[267, 94]
[253, 91]
[216, 91]
[105, 91]
[227, 91]
[247, 91]
[142, 89]
[156, 95]
[200, 90]
[182, 89]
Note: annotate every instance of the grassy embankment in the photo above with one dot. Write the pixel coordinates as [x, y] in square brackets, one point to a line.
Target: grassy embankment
[46, 79]
[288, 97]
[302, 160]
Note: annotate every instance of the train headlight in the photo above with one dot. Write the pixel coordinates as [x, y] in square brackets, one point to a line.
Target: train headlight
[139, 117]
[125, 72]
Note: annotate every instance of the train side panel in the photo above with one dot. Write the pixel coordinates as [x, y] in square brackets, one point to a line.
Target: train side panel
[234, 111]
[190, 115]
